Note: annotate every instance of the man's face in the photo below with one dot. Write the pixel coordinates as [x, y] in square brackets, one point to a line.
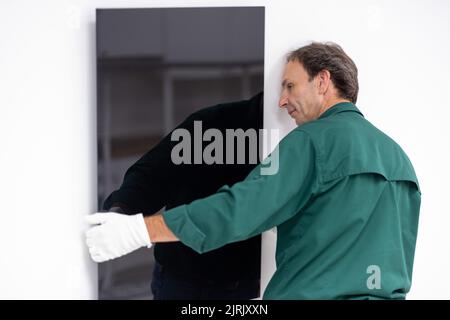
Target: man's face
[300, 96]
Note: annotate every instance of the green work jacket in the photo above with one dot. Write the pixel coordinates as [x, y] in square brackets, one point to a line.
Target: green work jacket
[345, 200]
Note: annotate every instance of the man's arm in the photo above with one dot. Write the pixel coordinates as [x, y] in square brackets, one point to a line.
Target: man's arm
[158, 229]
[252, 206]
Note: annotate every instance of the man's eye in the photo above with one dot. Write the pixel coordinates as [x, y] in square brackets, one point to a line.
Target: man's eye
[289, 85]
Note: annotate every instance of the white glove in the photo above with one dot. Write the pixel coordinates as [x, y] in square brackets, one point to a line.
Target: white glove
[115, 235]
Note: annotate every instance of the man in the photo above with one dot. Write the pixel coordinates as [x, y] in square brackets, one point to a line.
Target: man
[345, 198]
[155, 181]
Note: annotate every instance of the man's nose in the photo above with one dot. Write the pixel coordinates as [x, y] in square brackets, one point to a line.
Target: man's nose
[283, 102]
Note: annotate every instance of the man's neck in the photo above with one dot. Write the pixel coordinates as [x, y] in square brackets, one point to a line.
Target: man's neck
[330, 103]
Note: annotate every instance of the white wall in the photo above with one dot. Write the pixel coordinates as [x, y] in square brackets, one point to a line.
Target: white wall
[47, 122]
[48, 154]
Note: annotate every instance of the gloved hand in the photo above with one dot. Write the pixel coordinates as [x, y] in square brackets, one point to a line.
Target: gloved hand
[115, 235]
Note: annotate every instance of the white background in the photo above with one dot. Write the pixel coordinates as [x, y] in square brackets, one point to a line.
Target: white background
[47, 123]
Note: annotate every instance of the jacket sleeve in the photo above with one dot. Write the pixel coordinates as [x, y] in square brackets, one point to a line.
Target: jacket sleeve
[254, 205]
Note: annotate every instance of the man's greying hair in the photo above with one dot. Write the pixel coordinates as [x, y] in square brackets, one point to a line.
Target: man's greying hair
[329, 56]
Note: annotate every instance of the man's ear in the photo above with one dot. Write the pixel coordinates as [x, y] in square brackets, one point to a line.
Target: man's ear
[323, 81]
